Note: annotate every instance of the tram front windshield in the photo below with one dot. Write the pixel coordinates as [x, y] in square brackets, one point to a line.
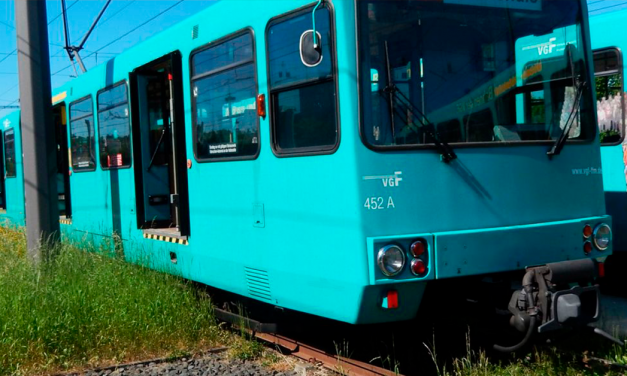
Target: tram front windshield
[475, 71]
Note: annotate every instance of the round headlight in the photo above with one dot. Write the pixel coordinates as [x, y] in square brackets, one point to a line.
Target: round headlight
[602, 237]
[391, 260]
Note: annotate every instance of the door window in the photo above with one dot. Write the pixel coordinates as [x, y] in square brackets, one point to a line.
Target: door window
[302, 93]
[9, 153]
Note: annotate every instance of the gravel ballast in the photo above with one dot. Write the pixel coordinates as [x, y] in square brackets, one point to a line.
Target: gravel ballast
[209, 364]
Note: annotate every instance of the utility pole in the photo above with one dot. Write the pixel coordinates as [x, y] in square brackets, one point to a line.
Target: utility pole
[38, 133]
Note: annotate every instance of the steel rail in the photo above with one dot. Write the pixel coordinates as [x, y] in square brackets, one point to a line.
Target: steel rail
[334, 363]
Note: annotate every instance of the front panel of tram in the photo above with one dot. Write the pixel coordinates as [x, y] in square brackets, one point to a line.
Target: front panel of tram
[487, 161]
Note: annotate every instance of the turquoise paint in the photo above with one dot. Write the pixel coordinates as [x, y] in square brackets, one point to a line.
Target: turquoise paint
[488, 251]
[607, 32]
[301, 225]
[14, 187]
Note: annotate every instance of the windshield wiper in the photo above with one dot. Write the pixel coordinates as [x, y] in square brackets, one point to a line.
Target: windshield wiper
[396, 98]
[579, 85]
[561, 141]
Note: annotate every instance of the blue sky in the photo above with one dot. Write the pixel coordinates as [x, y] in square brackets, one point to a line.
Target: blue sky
[121, 17]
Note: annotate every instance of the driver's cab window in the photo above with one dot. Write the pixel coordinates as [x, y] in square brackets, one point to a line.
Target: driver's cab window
[610, 95]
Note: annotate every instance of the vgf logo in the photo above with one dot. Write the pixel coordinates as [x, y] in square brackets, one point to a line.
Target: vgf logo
[6, 123]
[393, 180]
[388, 180]
[547, 48]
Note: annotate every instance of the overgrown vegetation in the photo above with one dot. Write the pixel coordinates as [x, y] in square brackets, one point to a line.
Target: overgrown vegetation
[86, 309]
[568, 360]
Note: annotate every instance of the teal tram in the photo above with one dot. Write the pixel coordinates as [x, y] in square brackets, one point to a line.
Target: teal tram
[608, 44]
[340, 157]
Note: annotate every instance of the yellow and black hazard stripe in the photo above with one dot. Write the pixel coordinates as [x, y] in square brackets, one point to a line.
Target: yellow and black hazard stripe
[65, 221]
[166, 239]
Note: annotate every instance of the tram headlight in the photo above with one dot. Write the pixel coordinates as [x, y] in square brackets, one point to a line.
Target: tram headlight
[602, 236]
[391, 260]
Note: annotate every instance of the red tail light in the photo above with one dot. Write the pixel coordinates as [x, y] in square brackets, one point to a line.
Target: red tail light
[587, 247]
[418, 267]
[417, 248]
[587, 231]
[601, 270]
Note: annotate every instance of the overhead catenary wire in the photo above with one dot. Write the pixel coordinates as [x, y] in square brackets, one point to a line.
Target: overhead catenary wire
[125, 34]
[608, 7]
[106, 45]
[49, 22]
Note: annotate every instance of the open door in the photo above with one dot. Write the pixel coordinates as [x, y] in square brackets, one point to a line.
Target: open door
[159, 146]
[63, 164]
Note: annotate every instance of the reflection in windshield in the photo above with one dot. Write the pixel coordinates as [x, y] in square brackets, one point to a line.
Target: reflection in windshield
[479, 73]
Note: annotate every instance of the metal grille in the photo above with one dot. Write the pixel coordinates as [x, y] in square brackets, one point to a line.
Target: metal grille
[258, 283]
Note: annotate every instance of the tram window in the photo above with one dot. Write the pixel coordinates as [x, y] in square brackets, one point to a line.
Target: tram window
[537, 107]
[82, 138]
[303, 98]
[224, 85]
[610, 95]
[9, 153]
[114, 128]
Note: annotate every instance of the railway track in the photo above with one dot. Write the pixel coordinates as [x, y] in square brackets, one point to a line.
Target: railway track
[319, 357]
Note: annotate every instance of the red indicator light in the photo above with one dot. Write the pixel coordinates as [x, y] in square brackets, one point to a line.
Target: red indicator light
[601, 270]
[392, 299]
[417, 248]
[587, 231]
[418, 267]
[587, 247]
[170, 76]
[261, 105]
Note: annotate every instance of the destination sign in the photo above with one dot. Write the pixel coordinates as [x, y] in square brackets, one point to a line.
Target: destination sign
[510, 4]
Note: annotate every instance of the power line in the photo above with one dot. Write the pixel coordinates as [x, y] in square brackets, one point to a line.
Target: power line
[608, 7]
[7, 25]
[115, 13]
[125, 34]
[60, 14]
[101, 48]
[51, 21]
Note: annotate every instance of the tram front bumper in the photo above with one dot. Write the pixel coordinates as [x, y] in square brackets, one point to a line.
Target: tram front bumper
[495, 250]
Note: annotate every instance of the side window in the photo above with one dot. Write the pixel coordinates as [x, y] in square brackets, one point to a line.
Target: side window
[303, 96]
[114, 141]
[226, 125]
[610, 95]
[82, 138]
[9, 153]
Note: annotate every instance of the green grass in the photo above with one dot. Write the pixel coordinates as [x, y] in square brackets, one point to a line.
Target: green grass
[568, 358]
[85, 309]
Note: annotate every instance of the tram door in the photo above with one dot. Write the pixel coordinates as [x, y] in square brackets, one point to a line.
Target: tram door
[159, 145]
[3, 197]
[63, 164]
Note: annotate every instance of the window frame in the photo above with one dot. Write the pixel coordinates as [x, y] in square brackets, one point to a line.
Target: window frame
[4, 149]
[192, 78]
[130, 126]
[315, 150]
[69, 115]
[585, 42]
[620, 70]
